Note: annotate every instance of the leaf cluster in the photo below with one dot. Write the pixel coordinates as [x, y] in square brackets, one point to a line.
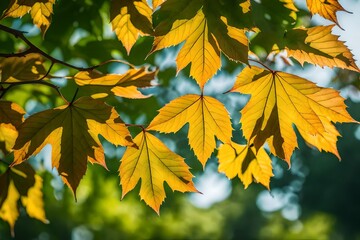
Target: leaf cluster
[209, 33]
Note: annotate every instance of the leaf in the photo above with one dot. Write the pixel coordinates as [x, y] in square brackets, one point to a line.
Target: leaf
[130, 19]
[205, 37]
[207, 118]
[123, 85]
[72, 130]
[21, 182]
[154, 164]
[40, 11]
[246, 163]
[11, 116]
[318, 46]
[156, 3]
[327, 9]
[279, 100]
[17, 69]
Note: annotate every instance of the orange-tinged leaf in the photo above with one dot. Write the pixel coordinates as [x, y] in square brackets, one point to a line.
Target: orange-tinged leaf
[207, 118]
[27, 68]
[21, 182]
[72, 130]
[40, 11]
[154, 164]
[246, 163]
[325, 8]
[11, 116]
[317, 45]
[280, 100]
[204, 38]
[123, 85]
[130, 19]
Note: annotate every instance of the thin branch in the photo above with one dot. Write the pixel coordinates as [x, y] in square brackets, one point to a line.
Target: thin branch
[34, 49]
[13, 84]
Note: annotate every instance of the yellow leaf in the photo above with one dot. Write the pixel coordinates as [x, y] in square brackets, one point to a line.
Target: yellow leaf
[72, 130]
[279, 101]
[33, 202]
[130, 19]
[246, 163]
[204, 35]
[207, 118]
[290, 5]
[157, 3]
[40, 11]
[154, 164]
[318, 46]
[327, 9]
[9, 211]
[21, 182]
[11, 116]
[27, 68]
[123, 85]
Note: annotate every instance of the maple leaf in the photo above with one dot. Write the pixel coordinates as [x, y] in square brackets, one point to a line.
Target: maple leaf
[130, 19]
[279, 100]
[154, 164]
[205, 37]
[11, 116]
[327, 9]
[21, 183]
[26, 68]
[123, 85]
[318, 46]
[246, 163]
[40, 11]
[72, 130]
[207, 118]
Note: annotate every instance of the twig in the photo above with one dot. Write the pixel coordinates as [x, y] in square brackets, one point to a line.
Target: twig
[34, 49]
[13, 84]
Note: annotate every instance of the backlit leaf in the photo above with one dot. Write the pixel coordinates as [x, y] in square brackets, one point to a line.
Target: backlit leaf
[207, 118]
[246, 163]
[157, 3]
[130, 19]
[327, 9]
[40, 11]
[205, 36]
[11, 116]
[27, 68]
[21, 182]
[72, 130]
[317, 45]
[154, 164]
[123, 85]
[279, 101]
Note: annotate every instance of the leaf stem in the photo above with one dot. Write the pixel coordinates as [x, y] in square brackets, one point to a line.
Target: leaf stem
[73, 99]
[135, 125]
[13, 84]
[262, 64]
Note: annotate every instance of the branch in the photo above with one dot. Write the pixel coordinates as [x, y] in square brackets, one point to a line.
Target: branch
[13, 84]
[34, 49]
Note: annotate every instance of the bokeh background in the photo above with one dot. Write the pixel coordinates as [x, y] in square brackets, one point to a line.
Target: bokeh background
[317, 198]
